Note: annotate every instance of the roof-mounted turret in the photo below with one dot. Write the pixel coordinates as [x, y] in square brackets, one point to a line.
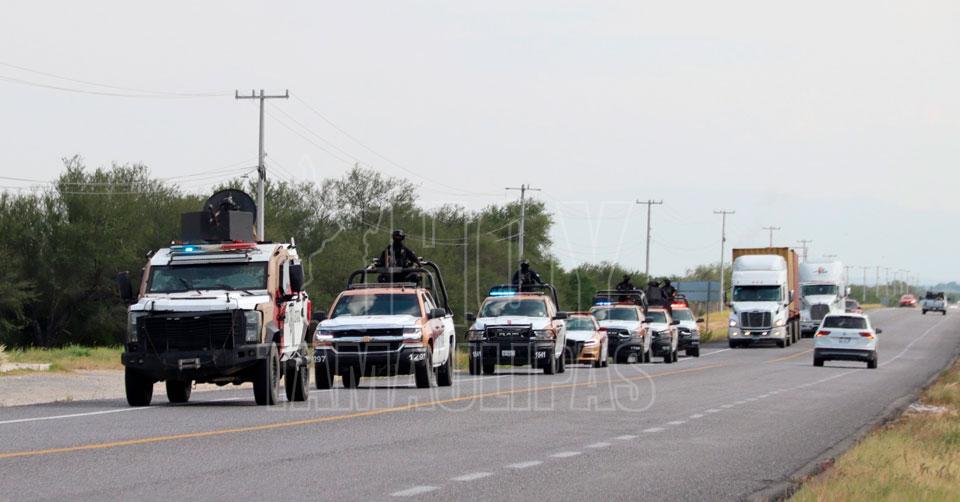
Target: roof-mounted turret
[227, 216]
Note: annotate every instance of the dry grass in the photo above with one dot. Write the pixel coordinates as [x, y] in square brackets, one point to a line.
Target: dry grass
[917, 457]
[70, 358]
[717, 329]
[3, 354]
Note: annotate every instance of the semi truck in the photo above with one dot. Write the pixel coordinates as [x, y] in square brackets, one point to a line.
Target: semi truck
[823, 290]
[218, 307]
[765, 305]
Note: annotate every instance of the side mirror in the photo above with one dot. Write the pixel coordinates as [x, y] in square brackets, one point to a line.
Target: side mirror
[437, 313]
[319, 315]
[674, 322]
[790, 296]
[470, 317]
[878, 331]
[560, 316]
[849, 290]
[296, 278]
[126, 289]
[700, 319]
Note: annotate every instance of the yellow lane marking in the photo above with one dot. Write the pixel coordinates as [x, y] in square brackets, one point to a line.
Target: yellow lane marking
[334, 418]
[791, 356]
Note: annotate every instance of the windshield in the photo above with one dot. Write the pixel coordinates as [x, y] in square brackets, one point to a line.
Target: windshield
[656, 316]
[819, 289]
[377, 304]
[513, 307]
[844, 322]
[682, 315]
[580, 324]
[852, 304]
[616, 314]
[756, 293]
[230, 276]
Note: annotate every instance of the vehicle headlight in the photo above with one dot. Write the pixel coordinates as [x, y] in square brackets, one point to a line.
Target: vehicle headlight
[132, 320]
[733, 323]
[475, 335]
[543, 333]
[590, 343]
[251, 326]
[780, 323]
[413, 336]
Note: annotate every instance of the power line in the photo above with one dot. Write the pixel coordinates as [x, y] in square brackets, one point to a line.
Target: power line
[804, 244]
[523, 209]
[771, 229]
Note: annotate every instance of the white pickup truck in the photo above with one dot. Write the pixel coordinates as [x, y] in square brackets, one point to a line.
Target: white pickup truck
[934, 302]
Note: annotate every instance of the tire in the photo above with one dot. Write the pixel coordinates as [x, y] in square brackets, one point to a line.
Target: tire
[733, 344]
[489, 368]
[944, 312]
[647, 357]
[296, 379]
[668, 359]
[561, 364]
[139, 388]
[178, 391]
[351, 377]
[322, 376]
[924, 312]
[622, 356]
[445, 371]
[817, 362]
[693, 352]
[266, 379]
[872, 364]
[311, 330]
[550, 368]
[474, 367]
[423, 373]
[599, 363]
[781, 343]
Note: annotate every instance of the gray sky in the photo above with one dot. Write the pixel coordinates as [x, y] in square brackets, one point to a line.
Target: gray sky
[837, 121]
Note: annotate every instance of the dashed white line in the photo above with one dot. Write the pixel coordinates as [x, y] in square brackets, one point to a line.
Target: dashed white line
[524, 465]
[739, 402]
[472, 476]
[713, 410]
[625, 437]
[677, 422]
[653, 429]
[726, 406]
[416, 490]
[751, 399]
[74, 415]
[566, 454]
[598, 445]
[696, 415]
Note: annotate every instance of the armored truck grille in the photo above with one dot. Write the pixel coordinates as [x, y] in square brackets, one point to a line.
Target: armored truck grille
[817, 312]
[163, 333]
[755, 319]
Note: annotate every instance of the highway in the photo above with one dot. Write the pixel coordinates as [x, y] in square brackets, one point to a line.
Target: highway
[724, 426]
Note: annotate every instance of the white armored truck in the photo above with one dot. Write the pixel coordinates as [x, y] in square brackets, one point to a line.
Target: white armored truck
[219, 307]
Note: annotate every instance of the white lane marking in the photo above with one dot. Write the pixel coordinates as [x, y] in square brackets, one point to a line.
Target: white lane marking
[726, 406]
[472, 476]
[696, 415]
[763, 396]
[915, 340]
[74, 415]
[751, 399]
[626, 437]
[524, 465]
[566, 454]
[713, 410]
[739, 402]
[598, 445]
[677, 422]
[715, 352]
[653, 429]
[416, 490]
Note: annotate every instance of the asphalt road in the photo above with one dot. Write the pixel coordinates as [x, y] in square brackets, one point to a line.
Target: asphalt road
[720, 427]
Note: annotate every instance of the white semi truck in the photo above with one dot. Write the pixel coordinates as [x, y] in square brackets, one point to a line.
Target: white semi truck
[764, 304]
[823, 290]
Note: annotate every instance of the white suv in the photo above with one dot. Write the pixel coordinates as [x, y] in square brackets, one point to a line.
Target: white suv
[846, 337]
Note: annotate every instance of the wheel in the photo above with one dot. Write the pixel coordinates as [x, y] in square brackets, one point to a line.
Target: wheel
[599, 363]
[817, 361]
[474, 367]
[351, 377]
[944, 312]
[676, 355]
[622, 356]
[138, 387]
[296, 379]
[550, 368]
[788, 340]
[733, 344]
[266, 379]
[178, 391]
[561, 364]
[322, 376]
[290, 378]
[489, 368]
[923, 312]
[781, 343]
[693, 352]
[311, 330]
[647, 356]
[872, 363]
[445, 371]
[423, 373]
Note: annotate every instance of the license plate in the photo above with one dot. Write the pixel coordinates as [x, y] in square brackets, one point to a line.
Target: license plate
[844, 339]
[508, 353]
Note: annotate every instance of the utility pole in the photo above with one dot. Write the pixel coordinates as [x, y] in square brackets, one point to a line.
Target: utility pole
[649, 203]
[523, 209]
[886, 282]
[864, 295]
[261, 168]
[804, 243]
[771, 229]
[877, 285]
[723, 241]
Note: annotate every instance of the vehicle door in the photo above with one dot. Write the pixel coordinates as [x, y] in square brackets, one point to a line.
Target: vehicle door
[437, 330]
[559, 327]
[294, 312]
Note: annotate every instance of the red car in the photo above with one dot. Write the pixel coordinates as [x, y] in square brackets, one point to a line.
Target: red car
[908, 301]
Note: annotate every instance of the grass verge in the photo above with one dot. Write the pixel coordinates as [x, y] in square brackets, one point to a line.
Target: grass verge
[916, 457]
[716, 330]
[69, 358]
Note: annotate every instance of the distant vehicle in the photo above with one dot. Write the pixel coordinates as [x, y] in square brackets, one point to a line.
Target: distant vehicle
[518, 325]
[388, 329]
[853, 307]
[621, 316]
[586, 342]
[221, 308]
[908, 300]
[934, 302]
[665, 338]
[765, 305]
[688, 329]
[823, 291]
[846, 337]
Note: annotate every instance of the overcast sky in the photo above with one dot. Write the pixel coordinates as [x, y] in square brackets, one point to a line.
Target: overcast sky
[836, 121]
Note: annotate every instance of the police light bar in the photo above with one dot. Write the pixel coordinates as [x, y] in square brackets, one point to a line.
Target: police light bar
[502, 292]
[212, 248]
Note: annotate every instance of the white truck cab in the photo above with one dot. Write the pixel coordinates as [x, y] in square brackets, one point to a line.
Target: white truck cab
[823, 291]
[761, 306]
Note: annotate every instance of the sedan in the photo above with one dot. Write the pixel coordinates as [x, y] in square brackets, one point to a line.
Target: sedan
[853, 307]
[908, 301]
[846, 337]
[586, 340]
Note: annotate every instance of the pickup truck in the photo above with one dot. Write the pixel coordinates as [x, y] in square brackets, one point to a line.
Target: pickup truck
[934, 302]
